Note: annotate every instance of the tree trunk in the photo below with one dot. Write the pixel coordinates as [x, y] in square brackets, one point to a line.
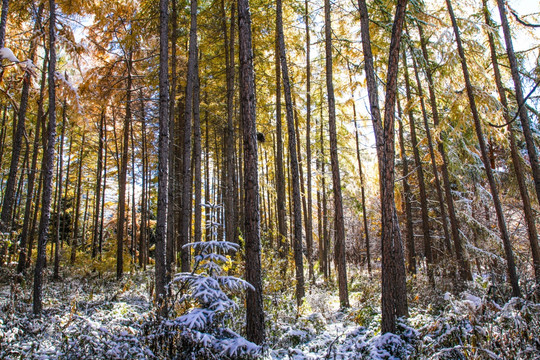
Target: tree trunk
[7, 204]
[85, 217]
[75, 236]
[522, 109]
[394, 291]
[3, 22]
[325, 238]
[47, 168]
[231, 216]
[197, 154]
[133, 203]
[516, 158]
[187, 177]
[280, 174]
[421, 182]
[24, 253]
[122, 176]
[511, 267]
[464, 267]
[411, 252]
[172, 226]
[309, 222]
[364, 209]
[103, 191]
[362, 187]
[207, 195]
[59, 207]
[163, 160]
[66, 190]
[98, 183]
[309, 245]
[336, 178]
[254, 303]
[142, 234]
[297, 205]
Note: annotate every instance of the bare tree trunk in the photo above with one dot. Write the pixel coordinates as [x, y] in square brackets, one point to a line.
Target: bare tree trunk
[142, 234]
[24, 253]
[3, 22]
[75, 235]
[411, 252]
[464, 267]
[172, 226]
[309, 222]
[122, 176]
[103, 191]
[98, 183]
[336, 178]
[47, 168]
[297, 205]
[516, 158]
[361, 175]
[59, 194]
[9, 193]
[421, 181]
[522, 109]
[207, 195]
[254, 303]
[85, 217]
[197, 154]
[163, 160]
[394, 291]
[325, 238]
[309, 246]
[280, 174]
[188, 118]
[34, 224]
[66, 190]
[231, 216]
[511, 267]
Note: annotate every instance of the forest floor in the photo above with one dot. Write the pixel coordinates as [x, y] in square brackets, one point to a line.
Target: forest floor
[93, 316]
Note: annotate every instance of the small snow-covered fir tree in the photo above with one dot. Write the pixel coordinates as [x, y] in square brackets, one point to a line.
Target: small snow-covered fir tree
[201, 331]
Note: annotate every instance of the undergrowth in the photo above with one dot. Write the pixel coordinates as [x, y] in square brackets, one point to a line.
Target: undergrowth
[92, 316]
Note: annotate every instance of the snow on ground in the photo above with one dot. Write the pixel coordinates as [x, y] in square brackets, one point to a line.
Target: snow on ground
[95, 317]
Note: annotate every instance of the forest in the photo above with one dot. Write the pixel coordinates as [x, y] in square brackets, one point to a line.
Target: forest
[268, 179]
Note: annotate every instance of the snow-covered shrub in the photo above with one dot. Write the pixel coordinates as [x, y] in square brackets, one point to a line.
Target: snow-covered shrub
[302, 331]
[477, 328]
[201, 330]
[84, 339]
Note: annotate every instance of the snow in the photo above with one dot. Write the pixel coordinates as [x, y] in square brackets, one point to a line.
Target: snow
[6, 53]
[98, 318]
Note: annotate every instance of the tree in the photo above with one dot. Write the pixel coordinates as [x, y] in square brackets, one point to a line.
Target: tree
[297, 209]
[47, 169]
[336, 178]
[163, 157]
[9, 193]
[122, 176]
[231, 213]
[254, 303]
[309, 222]
[33, 168]
[280, 173]
[394, 300]
[522, 109]
[510, 264]
[411, 252]
[75, 235]
[464, 268]
[187, 177]
[516, 158]
[420, 174]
